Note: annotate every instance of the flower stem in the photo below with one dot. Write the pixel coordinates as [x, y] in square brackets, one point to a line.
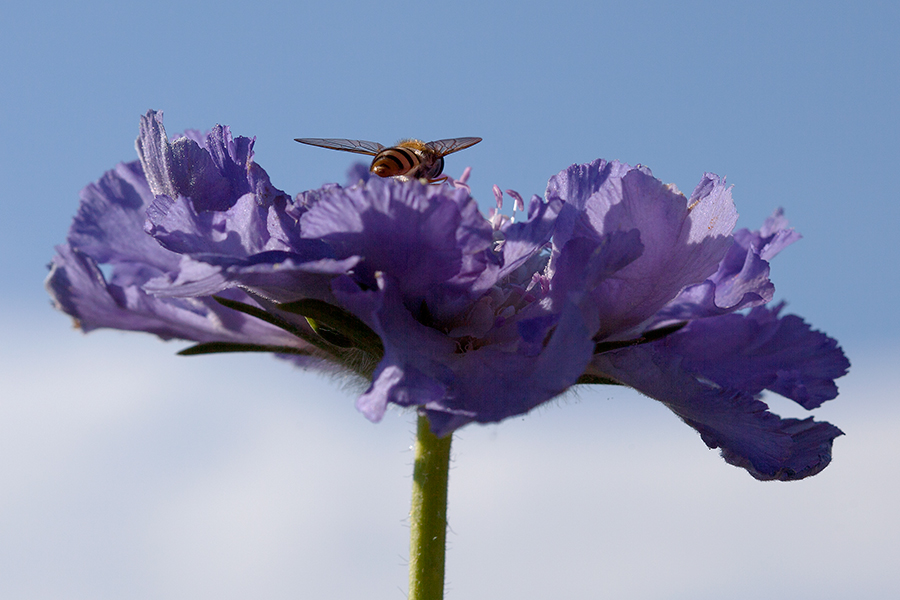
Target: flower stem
[428, 514]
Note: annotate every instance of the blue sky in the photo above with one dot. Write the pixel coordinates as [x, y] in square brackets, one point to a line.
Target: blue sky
[129, 472]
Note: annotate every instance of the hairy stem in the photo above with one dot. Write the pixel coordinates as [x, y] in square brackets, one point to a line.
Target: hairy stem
[428, 514]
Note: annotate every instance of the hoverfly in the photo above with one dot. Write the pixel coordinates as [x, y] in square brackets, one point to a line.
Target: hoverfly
[413, 159]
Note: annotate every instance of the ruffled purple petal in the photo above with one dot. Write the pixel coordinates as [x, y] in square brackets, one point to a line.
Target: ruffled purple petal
[734, 287]
[773, 237]
[430, 239]
[523, 240]
[278, 276]
[108, 230]
[245, 230]
[111, 213]
[213, 175]
[749, 436]
[410, 349]
[493, 383]
[683, 242]
[180, 169]
[762, 351]
[79, 289]
[584, 263]
[742, 279]
[454, 384]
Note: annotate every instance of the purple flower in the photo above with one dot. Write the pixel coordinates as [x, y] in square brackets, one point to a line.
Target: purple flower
[613, 277]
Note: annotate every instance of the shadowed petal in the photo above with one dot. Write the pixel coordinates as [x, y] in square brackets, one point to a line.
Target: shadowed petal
[742, 279]
[78, 288]
[456, 385]
[111, 213]
[431, 239]
[683, 242]
[213, 175]
[749, 436]
[762, 351]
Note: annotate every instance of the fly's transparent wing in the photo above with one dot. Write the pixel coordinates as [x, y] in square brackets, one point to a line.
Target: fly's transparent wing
[357, 146]
[445, 147]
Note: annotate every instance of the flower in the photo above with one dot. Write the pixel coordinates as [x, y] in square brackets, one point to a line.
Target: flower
[612, 277]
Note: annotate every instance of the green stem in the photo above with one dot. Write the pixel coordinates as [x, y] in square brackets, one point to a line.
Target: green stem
[428, 515]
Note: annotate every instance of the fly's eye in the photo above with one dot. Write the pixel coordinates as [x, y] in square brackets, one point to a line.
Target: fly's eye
[436, 169]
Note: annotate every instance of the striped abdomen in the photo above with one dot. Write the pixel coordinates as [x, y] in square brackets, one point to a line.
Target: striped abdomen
[409, 162]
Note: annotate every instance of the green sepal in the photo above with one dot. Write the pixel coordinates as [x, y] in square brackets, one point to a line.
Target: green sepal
[330, 335]
[220, 347]
[255, 311]
[338, 324]
[648, 336]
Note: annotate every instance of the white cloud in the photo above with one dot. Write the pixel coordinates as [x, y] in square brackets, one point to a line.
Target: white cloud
[129, 472]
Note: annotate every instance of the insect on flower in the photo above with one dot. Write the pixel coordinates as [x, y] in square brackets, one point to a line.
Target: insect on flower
[413, 159]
